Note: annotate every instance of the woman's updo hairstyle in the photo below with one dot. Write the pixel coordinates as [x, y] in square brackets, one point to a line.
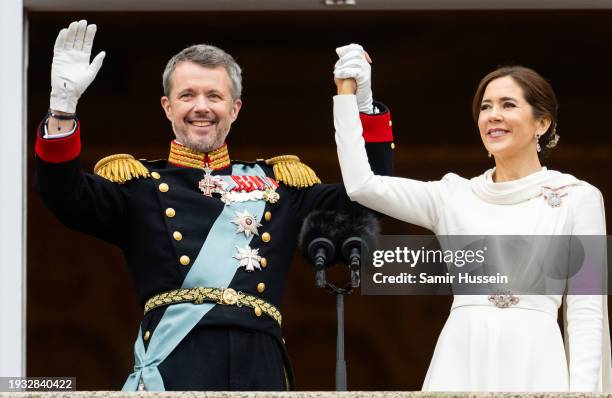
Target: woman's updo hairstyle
[538, 93]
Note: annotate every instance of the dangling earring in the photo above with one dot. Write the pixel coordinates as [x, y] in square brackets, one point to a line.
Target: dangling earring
[538, 147]
[489, 154]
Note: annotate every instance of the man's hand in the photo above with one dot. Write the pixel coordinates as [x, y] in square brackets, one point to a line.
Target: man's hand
[354, 63]
[71, 72]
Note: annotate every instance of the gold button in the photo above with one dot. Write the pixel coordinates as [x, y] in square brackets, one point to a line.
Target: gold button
[266, 237]
[390, 123]
[257, 311]
[155, 175]
[177, 235]
[163, 187]
[263, 262]
[261, 287]
[185, 260]
[268, 216]
[170, 212]
[147, 335]
[393, 145]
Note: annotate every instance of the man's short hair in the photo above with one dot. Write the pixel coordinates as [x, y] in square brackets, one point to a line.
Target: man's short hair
[209, 57]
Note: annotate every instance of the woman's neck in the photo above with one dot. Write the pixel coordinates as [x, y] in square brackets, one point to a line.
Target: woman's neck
[510, 169]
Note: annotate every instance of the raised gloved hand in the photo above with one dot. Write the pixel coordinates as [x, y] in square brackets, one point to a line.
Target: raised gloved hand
[354, 63]
[71, 72]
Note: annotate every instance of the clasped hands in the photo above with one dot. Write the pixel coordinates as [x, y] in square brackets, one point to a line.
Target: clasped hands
[353, 75]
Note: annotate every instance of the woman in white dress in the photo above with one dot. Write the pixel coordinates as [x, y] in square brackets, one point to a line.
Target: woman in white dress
[484, 347]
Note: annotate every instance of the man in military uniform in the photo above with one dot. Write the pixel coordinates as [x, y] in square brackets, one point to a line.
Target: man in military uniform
[208, 241]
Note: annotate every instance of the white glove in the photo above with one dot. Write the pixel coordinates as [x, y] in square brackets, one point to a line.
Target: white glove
[353, 63]
[71, 72]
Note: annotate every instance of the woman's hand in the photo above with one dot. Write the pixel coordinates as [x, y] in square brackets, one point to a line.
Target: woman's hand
[346, 86]
[352, 75]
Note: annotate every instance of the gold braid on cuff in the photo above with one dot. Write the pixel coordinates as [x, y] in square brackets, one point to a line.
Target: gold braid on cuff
[200, 295]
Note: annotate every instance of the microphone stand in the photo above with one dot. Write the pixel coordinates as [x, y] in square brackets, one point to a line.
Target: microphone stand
[351, 253]
[340, 292]
[340, 361]
[322, 252]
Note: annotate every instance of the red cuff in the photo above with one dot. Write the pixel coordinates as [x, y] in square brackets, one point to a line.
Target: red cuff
[377, 128]
[58, 150]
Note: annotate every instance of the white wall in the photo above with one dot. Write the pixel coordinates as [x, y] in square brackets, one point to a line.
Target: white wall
[12, 183]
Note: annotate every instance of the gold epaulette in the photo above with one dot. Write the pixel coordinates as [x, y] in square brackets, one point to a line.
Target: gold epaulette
[120, 168]
[289, 170]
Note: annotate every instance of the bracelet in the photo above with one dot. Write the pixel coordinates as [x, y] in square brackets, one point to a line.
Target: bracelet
[50, 113]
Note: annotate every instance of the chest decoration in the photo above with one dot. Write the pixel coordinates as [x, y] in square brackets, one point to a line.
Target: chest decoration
[247, 223]
[553, 196]
[239, 188]
[211, 184]
[249, 258]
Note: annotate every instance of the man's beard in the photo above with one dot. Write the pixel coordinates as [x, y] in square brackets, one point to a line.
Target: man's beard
[217, 142]
[204, 147]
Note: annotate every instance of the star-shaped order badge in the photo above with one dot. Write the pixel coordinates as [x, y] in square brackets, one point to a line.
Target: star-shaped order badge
[249, 258]
[247, 223]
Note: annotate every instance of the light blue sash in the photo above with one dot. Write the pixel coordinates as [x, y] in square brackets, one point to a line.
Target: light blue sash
[213, 267]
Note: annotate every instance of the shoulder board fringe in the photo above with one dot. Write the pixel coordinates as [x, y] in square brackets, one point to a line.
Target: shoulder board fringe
[289, 170]
[120, 168]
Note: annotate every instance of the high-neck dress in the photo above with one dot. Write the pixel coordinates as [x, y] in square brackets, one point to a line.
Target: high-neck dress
[483, 347]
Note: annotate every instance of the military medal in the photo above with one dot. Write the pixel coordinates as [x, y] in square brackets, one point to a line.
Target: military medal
[211, 184]
[230, 188]
[250, 188]
[271, 196]
[251, 183]
[206, 185]
[244, 188]
[248, 258]
[247, 223]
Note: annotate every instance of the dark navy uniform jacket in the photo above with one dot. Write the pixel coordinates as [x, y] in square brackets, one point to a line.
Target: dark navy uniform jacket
[161, 230]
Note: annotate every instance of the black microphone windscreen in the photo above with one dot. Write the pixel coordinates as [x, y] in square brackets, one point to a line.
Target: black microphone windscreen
[315, 225]
[362, 223]
[339, 225]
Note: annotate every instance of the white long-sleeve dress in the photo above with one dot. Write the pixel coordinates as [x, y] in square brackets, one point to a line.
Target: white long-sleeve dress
[483, 347]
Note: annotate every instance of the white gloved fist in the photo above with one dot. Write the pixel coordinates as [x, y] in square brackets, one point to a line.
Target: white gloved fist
[354, 64]
[71, 72]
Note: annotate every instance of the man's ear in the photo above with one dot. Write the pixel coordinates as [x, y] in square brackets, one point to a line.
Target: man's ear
[165, 104]
[235, 109]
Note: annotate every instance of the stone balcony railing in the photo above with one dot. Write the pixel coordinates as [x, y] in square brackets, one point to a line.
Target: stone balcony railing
[293, 394]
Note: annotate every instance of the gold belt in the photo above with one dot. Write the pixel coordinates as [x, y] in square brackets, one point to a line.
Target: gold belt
[199, 295]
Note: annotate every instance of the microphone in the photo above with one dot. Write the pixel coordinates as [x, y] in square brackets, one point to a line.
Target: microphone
[354, 231]
[358, 238]
[317, 242]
